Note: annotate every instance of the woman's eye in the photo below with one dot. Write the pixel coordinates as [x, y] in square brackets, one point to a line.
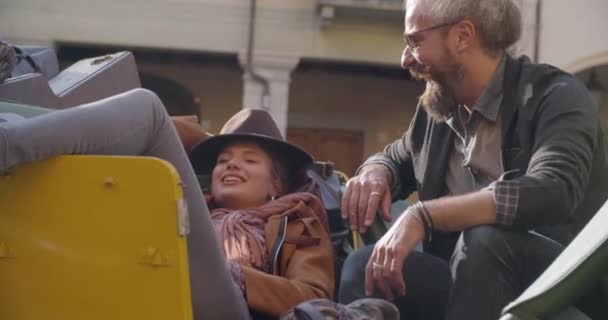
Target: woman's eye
[219, 161]
[251, 161]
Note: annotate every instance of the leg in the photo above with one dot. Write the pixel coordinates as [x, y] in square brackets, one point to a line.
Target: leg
[133, 123]
[491, 267]
[427, 281]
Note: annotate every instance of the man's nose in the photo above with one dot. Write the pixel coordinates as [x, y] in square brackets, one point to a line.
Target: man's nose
[407, 59]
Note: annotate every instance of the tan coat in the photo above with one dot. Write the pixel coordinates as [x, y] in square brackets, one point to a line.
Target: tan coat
[304, 267]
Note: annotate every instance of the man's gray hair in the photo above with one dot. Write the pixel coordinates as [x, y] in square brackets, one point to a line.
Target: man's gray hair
[498, 22]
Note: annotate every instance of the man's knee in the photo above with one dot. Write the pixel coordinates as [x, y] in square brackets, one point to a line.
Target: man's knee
[485, 238]
[480, 247]
[352, 277]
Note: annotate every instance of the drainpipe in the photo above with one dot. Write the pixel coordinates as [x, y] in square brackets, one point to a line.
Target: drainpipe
[537, 31]
[265, 100]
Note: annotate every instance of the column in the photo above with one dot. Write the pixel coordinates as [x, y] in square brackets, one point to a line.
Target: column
[276, 69]
[527, 44]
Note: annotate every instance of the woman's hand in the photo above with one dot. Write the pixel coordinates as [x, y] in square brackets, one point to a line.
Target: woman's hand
[385, 265]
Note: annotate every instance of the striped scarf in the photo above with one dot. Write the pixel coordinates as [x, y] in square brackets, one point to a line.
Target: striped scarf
[241, 232]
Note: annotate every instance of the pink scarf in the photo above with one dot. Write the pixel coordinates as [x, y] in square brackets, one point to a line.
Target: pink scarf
[241, 232]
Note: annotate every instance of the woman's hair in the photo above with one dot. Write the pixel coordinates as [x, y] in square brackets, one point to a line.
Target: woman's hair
[279, 167]
[498, 22]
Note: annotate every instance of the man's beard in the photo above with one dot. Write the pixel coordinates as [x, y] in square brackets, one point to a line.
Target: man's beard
[438, 98]
[438, 101]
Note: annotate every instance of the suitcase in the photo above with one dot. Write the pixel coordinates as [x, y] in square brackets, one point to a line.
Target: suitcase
[95, 78]
[31, 89]
[85, 81]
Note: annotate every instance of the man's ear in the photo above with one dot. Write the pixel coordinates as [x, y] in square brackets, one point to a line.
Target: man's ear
[465, 32]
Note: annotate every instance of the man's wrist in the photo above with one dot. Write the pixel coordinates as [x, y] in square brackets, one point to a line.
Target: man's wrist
[414, 224]
[378, 170]
[424, 217]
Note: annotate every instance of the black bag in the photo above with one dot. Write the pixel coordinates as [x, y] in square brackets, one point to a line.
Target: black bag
[362, 309]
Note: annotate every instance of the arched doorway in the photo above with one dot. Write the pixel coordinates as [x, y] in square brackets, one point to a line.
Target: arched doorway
[177, 99]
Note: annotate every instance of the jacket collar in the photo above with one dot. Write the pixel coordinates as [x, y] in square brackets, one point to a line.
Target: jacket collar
[510, 102]
[441, 137]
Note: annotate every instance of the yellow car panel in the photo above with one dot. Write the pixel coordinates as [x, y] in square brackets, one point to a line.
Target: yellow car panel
[93, 237]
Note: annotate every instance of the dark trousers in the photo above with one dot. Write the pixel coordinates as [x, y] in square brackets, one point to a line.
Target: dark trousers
[427, 283]
[490, 267]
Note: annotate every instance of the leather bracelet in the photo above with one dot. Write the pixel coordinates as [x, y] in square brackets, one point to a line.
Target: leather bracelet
[427, 215]
[416, 214]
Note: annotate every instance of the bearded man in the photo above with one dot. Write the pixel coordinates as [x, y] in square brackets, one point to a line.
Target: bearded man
[507, 158]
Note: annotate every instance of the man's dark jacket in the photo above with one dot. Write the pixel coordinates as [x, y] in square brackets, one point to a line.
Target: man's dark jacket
[552, 144]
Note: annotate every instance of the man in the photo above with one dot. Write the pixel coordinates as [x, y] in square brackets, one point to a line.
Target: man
[507, 158]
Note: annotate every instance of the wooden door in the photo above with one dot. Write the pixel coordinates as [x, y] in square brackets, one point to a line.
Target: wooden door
[344, 148]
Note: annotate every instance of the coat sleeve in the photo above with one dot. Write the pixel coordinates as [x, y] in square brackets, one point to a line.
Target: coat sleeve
[309, 274]
[565, 131]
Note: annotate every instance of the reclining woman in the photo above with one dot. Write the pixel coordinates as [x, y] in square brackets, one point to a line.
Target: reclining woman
[275, 245]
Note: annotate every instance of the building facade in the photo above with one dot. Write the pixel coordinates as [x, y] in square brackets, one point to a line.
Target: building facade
[330, 67]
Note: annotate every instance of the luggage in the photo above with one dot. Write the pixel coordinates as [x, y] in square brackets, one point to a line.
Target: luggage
[31, 89]
[35, 79]
[95, 78]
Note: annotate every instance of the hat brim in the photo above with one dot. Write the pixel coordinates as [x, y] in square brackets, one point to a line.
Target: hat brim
[204, 155]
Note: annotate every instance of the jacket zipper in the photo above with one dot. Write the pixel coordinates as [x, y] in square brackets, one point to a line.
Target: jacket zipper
[278, 245]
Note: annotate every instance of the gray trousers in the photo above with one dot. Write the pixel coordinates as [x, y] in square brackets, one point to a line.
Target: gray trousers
[133, 123]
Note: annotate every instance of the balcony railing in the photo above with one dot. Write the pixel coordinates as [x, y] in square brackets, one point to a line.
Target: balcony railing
[388, 11]
[391, 5]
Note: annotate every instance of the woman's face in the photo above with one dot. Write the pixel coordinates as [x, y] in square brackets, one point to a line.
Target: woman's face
[242, 177]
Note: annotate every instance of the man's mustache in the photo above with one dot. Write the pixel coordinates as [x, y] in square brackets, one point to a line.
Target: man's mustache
[419, 72]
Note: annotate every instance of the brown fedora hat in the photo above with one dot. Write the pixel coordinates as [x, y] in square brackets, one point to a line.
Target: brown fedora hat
[248, 124]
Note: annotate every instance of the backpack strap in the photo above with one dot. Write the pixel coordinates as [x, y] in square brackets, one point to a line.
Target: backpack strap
[21, 55]
[322, 168]
[7, 60]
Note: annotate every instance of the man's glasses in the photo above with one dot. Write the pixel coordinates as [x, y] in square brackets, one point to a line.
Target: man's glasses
[410, 40]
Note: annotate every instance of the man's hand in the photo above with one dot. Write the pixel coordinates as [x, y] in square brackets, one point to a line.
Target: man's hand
[385, 265]
[364, 194]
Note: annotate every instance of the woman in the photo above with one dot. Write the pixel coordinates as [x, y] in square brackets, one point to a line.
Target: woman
[136, 123]
[277, 244]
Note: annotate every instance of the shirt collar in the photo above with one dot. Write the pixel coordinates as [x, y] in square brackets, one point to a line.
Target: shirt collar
[490, 100]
